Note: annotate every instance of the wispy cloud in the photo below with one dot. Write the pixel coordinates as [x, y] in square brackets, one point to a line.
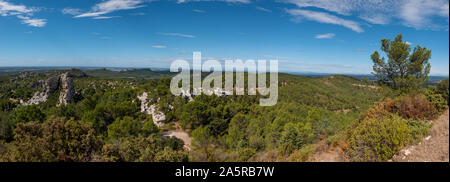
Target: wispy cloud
[263, 9]
[25, 14]
[138, 14]
[71, 11]
[177, 35]
[109, 6]
[159, 46]
[104, 17]
[419, 13]
[325, 36]
[323, 17]
[198, 11]
[101, 36]
[412, 13]
[228, 1]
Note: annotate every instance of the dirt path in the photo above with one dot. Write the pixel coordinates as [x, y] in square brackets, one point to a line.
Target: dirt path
[181, 135]
[433, 148]
[325, 153]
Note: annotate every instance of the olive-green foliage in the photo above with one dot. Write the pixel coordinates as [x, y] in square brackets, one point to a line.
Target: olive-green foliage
[245, 154]
[378, 138]
[436, 99]
[29, 113]
[418, 129]
[403, 70]
[443, 89]
[53, 140]
[387, 127]
[6, 105]
[6, 127]
[144, 149]
[127, 126]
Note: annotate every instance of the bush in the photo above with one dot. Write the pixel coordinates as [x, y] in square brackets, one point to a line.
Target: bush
[245, 154]
[418, 130]
[436, 99]
[412, 106]
[53, 140]
[443, 89]
[29, 113]
[378, 138]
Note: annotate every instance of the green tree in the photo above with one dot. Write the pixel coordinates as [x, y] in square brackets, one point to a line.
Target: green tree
[124, 127]
[402, 70]
[29, 113]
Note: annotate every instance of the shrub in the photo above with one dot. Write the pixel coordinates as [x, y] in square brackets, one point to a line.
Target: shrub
[418, 130]
[412, 106]
[245, 154]
[443, 89]
[378, 138]
[29, 113]
[436, 99]
[302, 154]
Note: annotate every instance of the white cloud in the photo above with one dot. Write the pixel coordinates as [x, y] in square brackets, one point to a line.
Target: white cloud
[35, 22]
[177, 35]
[22, 12]
[325, 18]
[409, 43]
[263, 9]
[109, 6]
[104, 17]
[159, 46]
[419, 13]
[325, 36]
[71, 11]
[412, 13]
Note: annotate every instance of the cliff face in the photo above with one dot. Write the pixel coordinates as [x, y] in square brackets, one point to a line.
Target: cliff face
[67, 91]
[50, 86]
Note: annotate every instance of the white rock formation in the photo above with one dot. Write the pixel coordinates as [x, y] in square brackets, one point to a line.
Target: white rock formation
[157, 116]
[50, 86]
[67, 91]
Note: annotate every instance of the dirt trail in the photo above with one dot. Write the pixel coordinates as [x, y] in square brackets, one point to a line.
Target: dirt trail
[325, 153]
[181, 135]
[433, 148]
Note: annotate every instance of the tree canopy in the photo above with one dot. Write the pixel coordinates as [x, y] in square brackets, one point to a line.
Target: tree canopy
[403, 70]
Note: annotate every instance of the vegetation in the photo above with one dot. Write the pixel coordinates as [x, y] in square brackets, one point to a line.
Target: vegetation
[370, 121]
[397, 122]
[402, 71]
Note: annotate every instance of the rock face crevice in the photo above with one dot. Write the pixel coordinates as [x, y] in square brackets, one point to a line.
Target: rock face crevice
[50, 86]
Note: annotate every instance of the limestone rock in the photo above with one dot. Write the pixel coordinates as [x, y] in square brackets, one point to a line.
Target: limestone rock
[67, 91]
[157, 116]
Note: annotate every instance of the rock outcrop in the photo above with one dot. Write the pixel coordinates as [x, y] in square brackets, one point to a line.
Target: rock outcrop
[67, 91]
[50, 86]
[157, 116]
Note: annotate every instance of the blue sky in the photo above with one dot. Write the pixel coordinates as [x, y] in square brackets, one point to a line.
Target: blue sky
[328, 36]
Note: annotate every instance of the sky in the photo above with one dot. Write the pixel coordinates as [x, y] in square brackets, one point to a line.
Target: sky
[323, 36]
